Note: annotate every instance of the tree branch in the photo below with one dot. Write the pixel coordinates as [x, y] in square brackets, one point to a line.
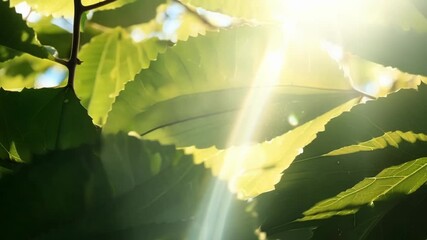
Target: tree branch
[73, 60]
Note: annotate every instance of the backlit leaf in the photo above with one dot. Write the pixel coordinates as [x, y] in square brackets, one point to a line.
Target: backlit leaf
[23, 72]
[315, 176]
[198, 88]
[403, 111]
[391, 182]
[388, 139]
[109, 61]
[255, 169]
[64, 8]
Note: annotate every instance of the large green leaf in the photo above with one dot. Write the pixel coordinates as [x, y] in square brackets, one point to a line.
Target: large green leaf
[386, 45]
[386, 31]
[73, 194]
[109, 61]
[258, 9]
[49, 192]
[315, 176]
[402, 179]
[255, 169]
[402, 111]
[36, 121]
[317, 14]
[198, 88]
[16, 36]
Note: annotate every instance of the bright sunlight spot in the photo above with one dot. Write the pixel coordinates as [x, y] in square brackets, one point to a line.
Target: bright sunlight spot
[217, 19]
[335, 52]
[293, 120]
[137, 35]
[51, 78]
[25, 10]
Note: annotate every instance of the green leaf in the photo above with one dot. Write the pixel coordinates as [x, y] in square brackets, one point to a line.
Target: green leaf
[402, 111]
[386, 45]
[314, 176]
[16, 36]
[23, 72]
[198, 88]
[73, 194]
[388, 139]
[36, 121]
[109, 61]
[50, 34]
[64, 8]
[320, 14]
[260, 166]
[402, 179]
[258, 9]
[133, 13]
[49, 192]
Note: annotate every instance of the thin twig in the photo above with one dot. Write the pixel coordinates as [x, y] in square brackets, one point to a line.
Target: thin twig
[60, 61]
[97, 5]
[194, 12]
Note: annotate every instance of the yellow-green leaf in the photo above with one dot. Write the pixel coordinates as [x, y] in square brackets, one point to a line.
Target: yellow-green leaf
[109, 61]
[397, 180]
[64, 8]
[388, 139]
[255, 169]
[199, 87]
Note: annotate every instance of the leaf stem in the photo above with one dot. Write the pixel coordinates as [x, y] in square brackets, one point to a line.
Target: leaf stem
[97, 5]
[73, 60]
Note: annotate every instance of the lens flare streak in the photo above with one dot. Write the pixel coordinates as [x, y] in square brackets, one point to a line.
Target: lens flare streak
[218, 201]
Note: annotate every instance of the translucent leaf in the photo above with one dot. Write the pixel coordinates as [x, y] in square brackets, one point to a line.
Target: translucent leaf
[23, 72]
[397, 180]
[320, 14]
[259, 10]
[314, 176]
[16, 36]
[109, 61]
[255, 169]
[388, 139]
[386, 44]
[133, 13]
[36, 121]
[64, 8]
[402, 111]
[198, 88]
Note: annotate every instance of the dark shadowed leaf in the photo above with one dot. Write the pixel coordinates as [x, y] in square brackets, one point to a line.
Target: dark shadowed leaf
[315, 175]
[36, 121]
[16, 37]
[136, 12]
[135, 190]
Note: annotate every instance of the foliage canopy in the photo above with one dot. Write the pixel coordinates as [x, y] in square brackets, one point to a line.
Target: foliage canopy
[207, 119]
